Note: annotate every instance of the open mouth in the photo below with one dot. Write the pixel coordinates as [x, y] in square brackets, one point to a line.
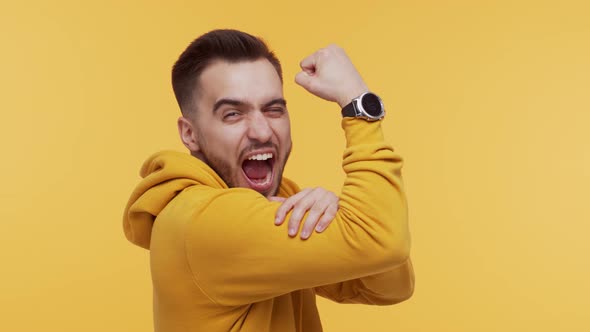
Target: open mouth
[259, 171]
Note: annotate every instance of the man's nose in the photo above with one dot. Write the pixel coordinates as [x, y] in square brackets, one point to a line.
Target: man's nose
[259, 127]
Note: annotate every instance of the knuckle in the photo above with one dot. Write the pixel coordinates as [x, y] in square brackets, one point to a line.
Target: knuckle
[311, 220]
[283, 209]
[323, 52]
[336, 49]
[317, 208]
[294, 220]
[299, 205]
[329, 214]
[306, 201]
[297, 210]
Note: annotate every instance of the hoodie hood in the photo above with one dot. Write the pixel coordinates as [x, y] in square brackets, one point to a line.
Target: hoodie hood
[165, 174]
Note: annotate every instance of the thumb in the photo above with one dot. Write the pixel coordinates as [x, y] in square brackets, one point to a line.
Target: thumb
[276, 199]
[304, 79]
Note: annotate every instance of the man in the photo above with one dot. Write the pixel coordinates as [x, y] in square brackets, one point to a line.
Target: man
[217, 261]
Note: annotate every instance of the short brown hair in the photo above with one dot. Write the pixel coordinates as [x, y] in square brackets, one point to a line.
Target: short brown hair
[223, 44]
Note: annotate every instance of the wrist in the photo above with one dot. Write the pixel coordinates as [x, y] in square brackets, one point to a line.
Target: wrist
[348, 97]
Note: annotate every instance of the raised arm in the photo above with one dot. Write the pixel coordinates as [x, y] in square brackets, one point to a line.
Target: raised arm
[236, 258]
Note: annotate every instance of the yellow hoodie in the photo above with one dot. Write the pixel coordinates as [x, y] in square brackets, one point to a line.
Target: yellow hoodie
[219, 263]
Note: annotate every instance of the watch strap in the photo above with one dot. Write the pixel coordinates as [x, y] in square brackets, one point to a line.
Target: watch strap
[348, 110]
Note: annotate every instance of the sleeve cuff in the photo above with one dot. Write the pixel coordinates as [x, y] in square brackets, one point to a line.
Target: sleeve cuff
[360, 131]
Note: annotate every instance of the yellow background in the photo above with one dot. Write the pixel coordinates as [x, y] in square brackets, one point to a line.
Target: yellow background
[488, 102]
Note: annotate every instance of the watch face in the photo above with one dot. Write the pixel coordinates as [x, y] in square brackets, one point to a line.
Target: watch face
[372, 105]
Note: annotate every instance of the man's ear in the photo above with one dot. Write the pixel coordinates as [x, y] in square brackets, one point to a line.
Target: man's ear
[187, 133]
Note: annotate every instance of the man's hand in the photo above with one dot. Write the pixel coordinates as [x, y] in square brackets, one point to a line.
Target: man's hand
[321, 204]
[329, 74]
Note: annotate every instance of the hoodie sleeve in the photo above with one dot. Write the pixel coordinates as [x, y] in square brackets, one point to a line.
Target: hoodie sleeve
[390, 287]
[238, 256]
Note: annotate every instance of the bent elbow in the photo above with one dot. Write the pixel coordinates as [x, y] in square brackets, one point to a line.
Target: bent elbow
[402, 284]
[395, 239]
[400, 297]
[397, 250]
[407, 293]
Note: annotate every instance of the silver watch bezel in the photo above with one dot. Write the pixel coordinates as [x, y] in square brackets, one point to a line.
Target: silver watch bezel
[360, 112]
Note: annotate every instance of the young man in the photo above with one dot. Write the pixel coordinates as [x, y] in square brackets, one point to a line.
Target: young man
[218, 262]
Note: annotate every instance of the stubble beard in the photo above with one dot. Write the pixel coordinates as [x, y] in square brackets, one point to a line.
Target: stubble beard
[224, 170]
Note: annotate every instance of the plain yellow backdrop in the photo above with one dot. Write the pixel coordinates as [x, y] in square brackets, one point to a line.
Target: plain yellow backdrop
[488, 102]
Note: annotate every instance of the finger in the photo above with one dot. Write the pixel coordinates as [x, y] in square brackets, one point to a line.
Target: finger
[308, 64]
[288, 205]
[312, 218]
[327, 218]
[304, 79]
[277, 199]
[315, 203]
[299, 210]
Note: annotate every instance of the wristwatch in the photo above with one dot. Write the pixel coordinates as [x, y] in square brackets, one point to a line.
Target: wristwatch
[367, 106]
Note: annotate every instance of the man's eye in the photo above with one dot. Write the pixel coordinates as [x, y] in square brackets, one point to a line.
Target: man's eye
[276, 111]
[230, 115]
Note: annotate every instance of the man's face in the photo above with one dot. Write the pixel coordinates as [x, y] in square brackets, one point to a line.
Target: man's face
[241, 125]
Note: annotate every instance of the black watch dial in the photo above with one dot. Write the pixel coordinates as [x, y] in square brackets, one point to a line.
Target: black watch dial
[371, 104]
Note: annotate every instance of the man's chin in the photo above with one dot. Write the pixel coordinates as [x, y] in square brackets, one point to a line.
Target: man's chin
[271, 191]
[267, 192]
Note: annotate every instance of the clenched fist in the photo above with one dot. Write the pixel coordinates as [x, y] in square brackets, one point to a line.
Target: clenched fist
[329, 74]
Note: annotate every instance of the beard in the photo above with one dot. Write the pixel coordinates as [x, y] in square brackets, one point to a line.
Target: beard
[225, 170]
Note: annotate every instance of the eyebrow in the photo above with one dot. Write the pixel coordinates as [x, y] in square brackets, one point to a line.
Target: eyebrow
[235, 102]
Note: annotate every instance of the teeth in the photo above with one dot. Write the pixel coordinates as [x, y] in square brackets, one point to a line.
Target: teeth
[261, 156]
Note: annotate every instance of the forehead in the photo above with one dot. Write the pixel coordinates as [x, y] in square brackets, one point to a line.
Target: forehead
[250, 81]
